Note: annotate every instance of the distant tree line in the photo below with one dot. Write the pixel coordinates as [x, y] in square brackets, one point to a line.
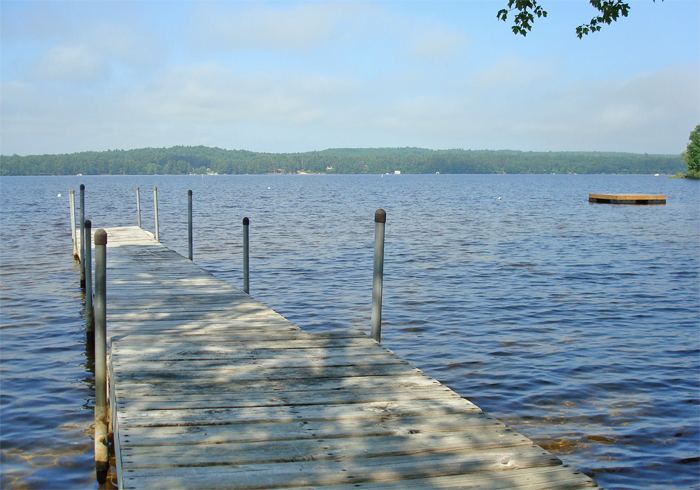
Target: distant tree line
[202, 159]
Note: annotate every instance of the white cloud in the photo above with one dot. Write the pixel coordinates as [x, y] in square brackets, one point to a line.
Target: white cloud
[72, 62]
[512, 71]
[76, 52]
[652, 112]
[267, 26]
[437, 43]
[211, 104]
[648, 113]
[213, 94]
[285, 76]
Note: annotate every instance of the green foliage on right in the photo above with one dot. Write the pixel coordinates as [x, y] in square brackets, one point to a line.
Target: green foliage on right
[608, 11]
[691, 156]
[201, 159]
[525, 16]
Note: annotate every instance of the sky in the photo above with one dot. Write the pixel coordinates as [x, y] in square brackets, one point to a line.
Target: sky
[297, 76]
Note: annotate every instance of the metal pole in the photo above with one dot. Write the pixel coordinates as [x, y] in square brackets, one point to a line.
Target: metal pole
[246, 253]
[155, 211]
[101, 412]
[377, 283]
[89, 314]
[189, 222]
[138, 207]
[71, 201]
[82, 236]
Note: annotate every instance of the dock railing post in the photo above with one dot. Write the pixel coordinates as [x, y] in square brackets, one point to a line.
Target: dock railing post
[155, 212]
[189, 223]
[101, 411]
[246, 256]
[378, 280]
[74, 236]
[82, 236]
[89, 313]
[138, 207]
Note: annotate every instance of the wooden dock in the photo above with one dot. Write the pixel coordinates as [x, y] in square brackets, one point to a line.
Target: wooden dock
[210, 388]
[641, 199]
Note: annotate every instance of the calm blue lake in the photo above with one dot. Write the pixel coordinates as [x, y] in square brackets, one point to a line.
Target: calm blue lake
[577, 324]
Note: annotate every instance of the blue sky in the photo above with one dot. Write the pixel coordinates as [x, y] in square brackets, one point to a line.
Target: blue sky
[292, 76]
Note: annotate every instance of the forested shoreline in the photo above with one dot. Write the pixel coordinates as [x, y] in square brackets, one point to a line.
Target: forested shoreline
[201, 159]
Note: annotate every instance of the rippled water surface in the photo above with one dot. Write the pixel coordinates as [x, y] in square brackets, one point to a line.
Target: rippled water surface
[575, 323]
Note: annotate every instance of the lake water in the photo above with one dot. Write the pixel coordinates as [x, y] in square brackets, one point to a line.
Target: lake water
[575, 323]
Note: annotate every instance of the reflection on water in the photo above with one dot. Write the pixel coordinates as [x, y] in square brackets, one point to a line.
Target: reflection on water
[577, 324]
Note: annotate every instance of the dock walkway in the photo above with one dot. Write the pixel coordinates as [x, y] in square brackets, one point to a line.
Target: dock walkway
[210, 388]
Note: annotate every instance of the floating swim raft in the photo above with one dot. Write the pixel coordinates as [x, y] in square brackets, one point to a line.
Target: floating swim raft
[639, 199]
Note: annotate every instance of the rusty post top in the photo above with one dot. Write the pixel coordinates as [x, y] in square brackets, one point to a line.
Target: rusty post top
[88, 223]
[100, 237]
[380, 216]
[246, 221]
[82, 187]
[189, 192]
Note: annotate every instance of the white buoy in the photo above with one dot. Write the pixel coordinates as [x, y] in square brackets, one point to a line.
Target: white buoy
[268, 188]
[59, 195]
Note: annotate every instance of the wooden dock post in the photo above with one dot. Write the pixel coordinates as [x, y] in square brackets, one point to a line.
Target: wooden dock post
[138, 207]
[189, 224]
[82, 236]
[74, 236]
[89, 313]
[246, 256]
[378, 280]
[101, 411]
[155, 212]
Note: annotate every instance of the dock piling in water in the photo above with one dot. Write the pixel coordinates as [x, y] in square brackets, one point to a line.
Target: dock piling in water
[378, 280]
[71, 202]
[138, 207]
[101, 411]
[89, 313]
[82, 236]
[189, 223]
[155, 212]
[246, 256]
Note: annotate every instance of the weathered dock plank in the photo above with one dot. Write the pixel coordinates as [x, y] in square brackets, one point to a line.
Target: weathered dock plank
[210, 388]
